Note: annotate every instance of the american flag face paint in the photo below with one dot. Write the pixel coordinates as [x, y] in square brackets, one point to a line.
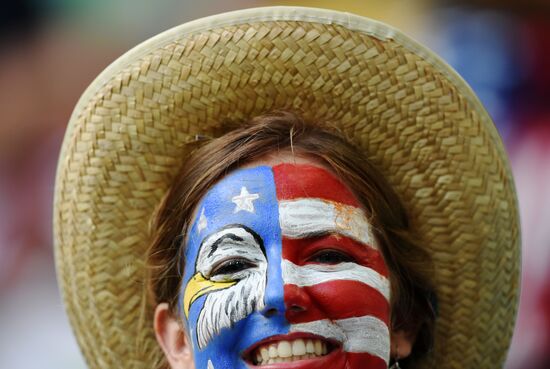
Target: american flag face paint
[281, 269]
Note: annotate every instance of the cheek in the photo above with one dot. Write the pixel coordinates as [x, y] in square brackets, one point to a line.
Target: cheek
[360, 312]
[335, 300]
[347, 299]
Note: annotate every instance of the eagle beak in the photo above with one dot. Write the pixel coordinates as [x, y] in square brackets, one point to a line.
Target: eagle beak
[198, 286]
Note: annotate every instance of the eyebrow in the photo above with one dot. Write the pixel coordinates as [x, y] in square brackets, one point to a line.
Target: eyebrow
[213, 245]
[216, 243]
[310, 217]
[320, 233]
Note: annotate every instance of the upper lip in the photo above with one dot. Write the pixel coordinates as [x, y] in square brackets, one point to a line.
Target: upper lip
[247, 354]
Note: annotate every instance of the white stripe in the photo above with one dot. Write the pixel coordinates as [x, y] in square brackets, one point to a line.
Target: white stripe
[365, 334]
[301, 217]
[312, 274]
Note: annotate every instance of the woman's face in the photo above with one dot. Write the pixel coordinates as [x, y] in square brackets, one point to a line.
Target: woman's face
[282, 271]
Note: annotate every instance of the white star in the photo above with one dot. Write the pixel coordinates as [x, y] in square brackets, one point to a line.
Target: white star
[203, 222]
[210, 365]
[244, 200]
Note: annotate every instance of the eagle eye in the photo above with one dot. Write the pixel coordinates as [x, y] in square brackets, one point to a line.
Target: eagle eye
[231, 266]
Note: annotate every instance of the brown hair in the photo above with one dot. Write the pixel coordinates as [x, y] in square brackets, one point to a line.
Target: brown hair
[412, 301]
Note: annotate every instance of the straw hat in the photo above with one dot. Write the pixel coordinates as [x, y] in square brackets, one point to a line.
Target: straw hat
[414, 117]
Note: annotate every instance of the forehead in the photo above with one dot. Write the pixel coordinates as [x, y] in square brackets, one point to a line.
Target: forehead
[294, 181]
[251, 196]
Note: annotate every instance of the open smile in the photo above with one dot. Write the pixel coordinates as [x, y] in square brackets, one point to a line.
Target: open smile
[289, 348]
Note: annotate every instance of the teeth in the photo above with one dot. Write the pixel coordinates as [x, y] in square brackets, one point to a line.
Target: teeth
[264, 353]
[273, 352]
[298, 348]
[288, 351]
[318, 347]
[285, 349]
[310, 347]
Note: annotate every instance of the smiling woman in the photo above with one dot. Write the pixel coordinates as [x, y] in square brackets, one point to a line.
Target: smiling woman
[200, 223]
[297, 249]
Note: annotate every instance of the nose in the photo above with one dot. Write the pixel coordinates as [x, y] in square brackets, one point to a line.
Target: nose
[297, 301]
[280, 299]
[293, 301]
[274, 294]
[274, 299]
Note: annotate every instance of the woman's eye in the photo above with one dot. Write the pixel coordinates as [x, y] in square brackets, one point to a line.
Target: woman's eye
[331, 257]
[231, 266]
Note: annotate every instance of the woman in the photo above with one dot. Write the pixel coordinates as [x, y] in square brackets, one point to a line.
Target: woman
[275, 242]
[433, 214]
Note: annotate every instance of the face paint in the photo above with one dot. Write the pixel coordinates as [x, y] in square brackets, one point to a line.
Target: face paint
[281, 266]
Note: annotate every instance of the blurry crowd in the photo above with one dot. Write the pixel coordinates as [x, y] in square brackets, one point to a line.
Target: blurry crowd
[51, 50]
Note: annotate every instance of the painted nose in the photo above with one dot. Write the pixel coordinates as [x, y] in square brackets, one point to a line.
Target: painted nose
[293, 301]
[297, 301]
[274, 300]
[274, 295]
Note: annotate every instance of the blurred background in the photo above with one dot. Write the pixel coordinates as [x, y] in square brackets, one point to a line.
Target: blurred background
[50, 50]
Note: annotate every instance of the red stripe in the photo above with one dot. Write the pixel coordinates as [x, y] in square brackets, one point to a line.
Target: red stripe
[334, 300]
[298, 181]
[303, 251]
[364, 360]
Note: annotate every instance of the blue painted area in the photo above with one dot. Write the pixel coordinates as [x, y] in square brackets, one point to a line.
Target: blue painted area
[487, 49]
[225, 349]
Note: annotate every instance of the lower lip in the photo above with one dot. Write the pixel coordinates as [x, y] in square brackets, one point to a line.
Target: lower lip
[335, 359]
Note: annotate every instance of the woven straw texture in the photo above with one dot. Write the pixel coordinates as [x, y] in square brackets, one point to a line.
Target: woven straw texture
[413, 116]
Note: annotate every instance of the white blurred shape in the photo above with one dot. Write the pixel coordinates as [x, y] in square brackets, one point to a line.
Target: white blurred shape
[35, 331]
[532, 176]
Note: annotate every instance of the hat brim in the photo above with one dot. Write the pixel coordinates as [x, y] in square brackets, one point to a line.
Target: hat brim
[413, 116]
